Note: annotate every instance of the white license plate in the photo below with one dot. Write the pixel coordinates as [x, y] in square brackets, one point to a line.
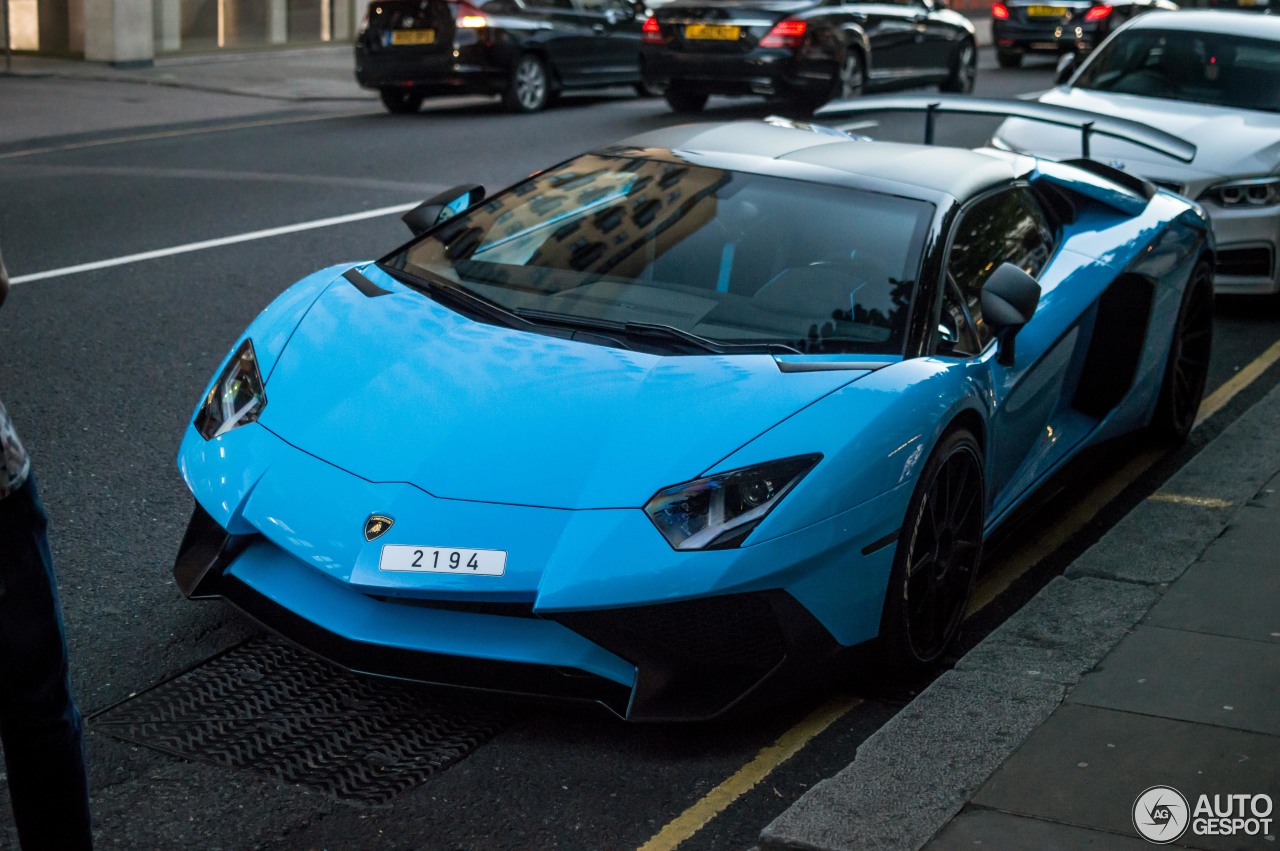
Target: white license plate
[443, 560]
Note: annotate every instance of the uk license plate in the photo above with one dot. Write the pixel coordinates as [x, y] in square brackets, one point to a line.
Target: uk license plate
[1046, 11]
[400, 37]
[455, 560]
[712, 32]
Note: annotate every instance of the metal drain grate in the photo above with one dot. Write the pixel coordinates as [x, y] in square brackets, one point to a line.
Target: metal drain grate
[268, 706]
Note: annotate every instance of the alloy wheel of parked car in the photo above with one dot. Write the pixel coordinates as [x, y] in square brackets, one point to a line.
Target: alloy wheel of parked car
[1188, 367]
[964, 72]
[400, 101]
[852, 75]
[939, 548]
[685, 101]
[529, 87]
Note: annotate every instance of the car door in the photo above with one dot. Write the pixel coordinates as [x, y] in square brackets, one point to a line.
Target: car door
[938, 42]
[1025, 397]
[614, 53]
[566, 38]
[893, 29]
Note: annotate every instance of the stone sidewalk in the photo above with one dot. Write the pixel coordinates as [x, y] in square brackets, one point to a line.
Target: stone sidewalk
[1154, 661]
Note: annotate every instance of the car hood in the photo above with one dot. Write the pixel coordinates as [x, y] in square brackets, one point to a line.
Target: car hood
[397, 388]
[1229, 142]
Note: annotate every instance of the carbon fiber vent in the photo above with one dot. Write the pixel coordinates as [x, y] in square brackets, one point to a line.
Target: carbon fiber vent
[267, 706]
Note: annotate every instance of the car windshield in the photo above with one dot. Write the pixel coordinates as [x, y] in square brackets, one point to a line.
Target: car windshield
[722, 256]
[1211, 68]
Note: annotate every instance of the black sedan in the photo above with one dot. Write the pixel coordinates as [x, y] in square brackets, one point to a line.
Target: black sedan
[806, 51]
[527, 51]
[1019, 27]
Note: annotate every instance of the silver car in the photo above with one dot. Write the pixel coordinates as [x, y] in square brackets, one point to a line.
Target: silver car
[1211, 78]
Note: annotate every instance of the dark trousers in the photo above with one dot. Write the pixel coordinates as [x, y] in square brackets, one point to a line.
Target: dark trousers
[39, 723]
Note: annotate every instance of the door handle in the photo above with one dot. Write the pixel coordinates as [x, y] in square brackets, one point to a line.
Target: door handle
[598, 29]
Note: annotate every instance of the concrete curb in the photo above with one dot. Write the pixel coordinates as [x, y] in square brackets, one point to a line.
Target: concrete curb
[916, 773]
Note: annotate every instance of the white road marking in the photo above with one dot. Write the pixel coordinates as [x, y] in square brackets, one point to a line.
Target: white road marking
[213, 243]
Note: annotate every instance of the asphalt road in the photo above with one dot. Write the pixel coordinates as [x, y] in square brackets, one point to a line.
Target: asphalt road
[103, 367]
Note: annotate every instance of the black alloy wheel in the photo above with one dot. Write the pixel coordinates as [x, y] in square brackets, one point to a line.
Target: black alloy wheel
[682, 100]
[938, 552]
[964, 70]
[1188, 366]
[1009, 58]
[530, 86]
[400, 101]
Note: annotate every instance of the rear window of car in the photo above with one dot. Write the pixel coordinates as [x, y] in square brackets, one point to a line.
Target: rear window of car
[729, 256]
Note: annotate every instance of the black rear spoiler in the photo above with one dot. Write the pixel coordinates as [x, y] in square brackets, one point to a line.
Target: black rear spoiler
[1088, 123]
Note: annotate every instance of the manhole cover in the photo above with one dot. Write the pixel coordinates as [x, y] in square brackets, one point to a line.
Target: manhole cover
[268, 706]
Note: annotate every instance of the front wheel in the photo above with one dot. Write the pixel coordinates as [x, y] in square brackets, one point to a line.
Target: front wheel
[681, 100]
[529, 87]
[964, 70]
[400, 101]
[939, 549]
[1187, 369]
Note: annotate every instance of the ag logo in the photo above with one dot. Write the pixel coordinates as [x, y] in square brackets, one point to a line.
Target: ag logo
[376, 526]
[1160, 814]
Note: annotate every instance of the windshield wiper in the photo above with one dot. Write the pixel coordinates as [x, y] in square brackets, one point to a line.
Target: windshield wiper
[452, 295]
[653, 330]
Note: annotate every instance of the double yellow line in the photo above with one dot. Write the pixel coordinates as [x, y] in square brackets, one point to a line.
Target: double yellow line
[1004, 573]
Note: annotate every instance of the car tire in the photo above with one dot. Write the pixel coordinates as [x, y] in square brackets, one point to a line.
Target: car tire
[964, 70]
[1187, 369]
[851, 79]
[938, 552]
[1009, 58]
[682, 100]
[529, 88]
[400, 101]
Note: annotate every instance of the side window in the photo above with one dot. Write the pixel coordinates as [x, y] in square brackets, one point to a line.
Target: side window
[1006, 227]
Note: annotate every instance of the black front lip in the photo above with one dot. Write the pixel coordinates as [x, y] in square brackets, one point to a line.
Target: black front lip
[696, 660]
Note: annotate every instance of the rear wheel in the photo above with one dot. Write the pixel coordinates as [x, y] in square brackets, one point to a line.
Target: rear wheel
[400, 101]
[939, 548]
[1009, 58]
[1188, 366]
[682, 100]
[853, 75]
[529, 87]
[964, 70]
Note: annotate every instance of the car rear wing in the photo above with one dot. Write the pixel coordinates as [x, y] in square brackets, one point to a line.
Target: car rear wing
[1088, 123]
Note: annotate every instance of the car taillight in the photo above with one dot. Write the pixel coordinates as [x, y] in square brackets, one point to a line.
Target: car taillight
[1000, 11]
[470, 18]
[1097, 13]
[650, 33]
[788, 33]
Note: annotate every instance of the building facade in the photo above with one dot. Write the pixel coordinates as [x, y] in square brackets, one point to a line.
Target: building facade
[135, 32]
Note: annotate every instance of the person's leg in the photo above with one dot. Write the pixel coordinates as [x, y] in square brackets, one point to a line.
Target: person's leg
[39, 723]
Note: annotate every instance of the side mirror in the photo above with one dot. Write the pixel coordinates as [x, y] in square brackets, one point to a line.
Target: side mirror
[1009, 299]
[1067, 64]
[442, 207]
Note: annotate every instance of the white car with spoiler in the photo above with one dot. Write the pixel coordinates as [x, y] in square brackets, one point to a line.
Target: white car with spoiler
[1211, 78]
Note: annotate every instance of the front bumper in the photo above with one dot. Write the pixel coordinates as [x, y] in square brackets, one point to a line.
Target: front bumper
[1248, 244]
[594, 606]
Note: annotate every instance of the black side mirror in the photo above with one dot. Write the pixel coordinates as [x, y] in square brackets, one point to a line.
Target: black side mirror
[442, 207]
[1009, 299]
[1067, 64]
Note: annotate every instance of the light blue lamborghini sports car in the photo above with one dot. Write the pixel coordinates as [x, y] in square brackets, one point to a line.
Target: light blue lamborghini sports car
[688, 416]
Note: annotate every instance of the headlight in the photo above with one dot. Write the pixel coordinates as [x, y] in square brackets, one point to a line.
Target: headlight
[237, 396]
[1257, 192]
[718, 512]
